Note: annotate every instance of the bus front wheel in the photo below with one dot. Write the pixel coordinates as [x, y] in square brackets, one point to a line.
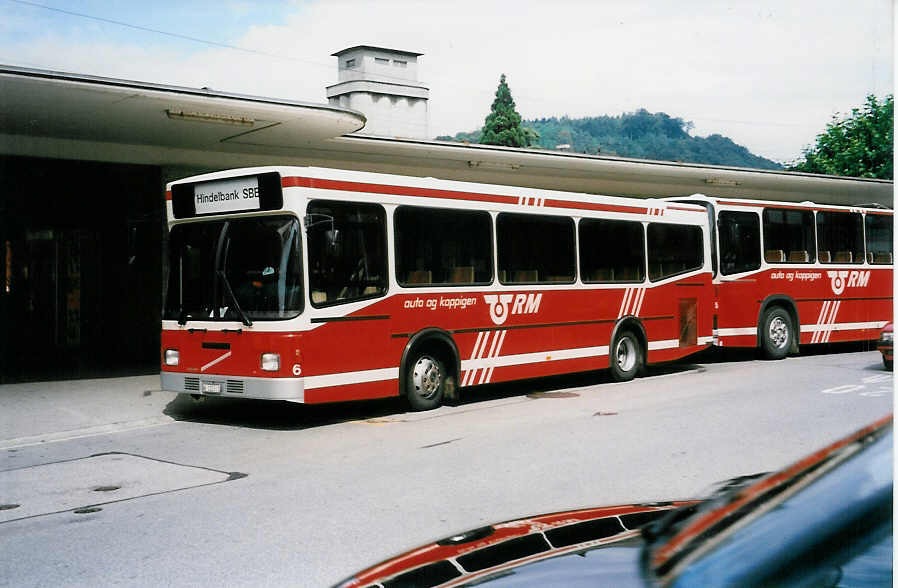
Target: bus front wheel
[776, 333]
[626, 357]
[425, 382]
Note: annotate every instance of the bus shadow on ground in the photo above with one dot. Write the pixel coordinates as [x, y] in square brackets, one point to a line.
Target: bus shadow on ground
[286, 416]
[277, 415]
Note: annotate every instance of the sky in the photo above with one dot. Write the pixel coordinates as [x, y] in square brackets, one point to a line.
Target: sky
[769, 75]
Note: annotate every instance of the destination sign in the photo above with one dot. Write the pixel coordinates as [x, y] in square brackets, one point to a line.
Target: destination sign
[227, 195]
[230, 195]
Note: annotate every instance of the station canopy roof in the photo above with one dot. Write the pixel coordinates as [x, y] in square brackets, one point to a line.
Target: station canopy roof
[72, 116]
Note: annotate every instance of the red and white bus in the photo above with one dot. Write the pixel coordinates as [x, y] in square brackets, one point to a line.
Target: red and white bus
[320, 285]
[787, 274]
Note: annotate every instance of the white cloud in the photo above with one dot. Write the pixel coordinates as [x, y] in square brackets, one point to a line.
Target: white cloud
[767, 75]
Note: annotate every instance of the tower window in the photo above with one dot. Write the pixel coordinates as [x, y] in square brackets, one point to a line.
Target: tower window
[400, 63]
[350, 63]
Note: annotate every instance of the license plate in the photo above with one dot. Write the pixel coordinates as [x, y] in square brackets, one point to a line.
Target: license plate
[211, 388]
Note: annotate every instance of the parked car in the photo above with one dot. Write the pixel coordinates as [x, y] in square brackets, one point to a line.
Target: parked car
[884, 345]
[825, 520]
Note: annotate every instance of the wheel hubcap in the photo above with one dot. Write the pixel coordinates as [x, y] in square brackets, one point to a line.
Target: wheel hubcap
[779, 332]
[626, 354]
[426, 378]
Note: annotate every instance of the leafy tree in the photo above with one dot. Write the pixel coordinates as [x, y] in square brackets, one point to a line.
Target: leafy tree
[503, 123]
[858, 145]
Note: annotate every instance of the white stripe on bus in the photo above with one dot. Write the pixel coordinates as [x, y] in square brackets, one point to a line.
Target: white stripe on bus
[639, 301]
[842, 327]
[737, 331]
[498, 349]
[818, 328]
[215, 361]
[668, 344]
[344, 378]
[481, 337]
[488, 363]
[823, 309]
[535, 357]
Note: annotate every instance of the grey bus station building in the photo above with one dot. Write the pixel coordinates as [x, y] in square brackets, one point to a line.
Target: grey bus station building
[84, 162]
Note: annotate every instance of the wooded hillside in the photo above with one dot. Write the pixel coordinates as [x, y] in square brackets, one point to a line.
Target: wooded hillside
[639, 134]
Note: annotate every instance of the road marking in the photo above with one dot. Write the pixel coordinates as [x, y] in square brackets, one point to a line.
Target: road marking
[94, 431]
[844, 389]
[863, 389]
[878, 378]
[876, 393]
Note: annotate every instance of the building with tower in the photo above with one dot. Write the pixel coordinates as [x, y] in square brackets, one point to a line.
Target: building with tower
[383, 85]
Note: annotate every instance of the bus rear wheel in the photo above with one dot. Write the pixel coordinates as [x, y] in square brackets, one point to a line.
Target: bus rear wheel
[776, 333]
[626, 356]
[425, 382]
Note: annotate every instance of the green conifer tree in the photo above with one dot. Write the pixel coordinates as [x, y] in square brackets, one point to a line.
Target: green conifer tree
[503, 123]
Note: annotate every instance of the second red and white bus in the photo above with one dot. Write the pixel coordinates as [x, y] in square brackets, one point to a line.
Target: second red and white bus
[789, 274]
[320, 285]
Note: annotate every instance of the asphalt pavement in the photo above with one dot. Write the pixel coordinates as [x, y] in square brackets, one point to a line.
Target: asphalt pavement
[117, 483]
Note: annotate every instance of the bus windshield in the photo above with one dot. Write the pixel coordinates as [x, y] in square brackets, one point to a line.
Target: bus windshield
[235, 270]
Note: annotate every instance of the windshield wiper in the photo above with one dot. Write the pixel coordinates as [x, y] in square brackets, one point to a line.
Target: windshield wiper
[183, 316]
[233, 299]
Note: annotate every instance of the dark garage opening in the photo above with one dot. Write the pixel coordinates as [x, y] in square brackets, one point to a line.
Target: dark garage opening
[81, 251]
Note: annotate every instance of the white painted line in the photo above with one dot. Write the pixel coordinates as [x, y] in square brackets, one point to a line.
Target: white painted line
[94, 431]
[877, 378]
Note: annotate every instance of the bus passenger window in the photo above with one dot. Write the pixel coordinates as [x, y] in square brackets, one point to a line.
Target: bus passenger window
[790, 231]
[535, 249]
[611, 251]
[840, 237]
[347, 251]
[879, 238]
[443, 246]
[673, 249]
[739, 236]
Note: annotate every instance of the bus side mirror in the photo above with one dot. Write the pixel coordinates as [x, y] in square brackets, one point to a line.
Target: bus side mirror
[334, 240]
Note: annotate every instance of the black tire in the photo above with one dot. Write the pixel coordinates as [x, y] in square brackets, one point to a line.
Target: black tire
[887, 363]
[776, 333]
[625, 356]
[425, 381]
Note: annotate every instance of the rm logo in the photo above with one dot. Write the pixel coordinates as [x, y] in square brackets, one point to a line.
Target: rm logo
[523, 304]
[839, 280]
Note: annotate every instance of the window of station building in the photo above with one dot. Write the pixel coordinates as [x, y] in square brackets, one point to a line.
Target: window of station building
[443, 246]
[535, 249]
[739, 235]
[840, 237]
[879, 238]
[347, 251]
[350, 63]
[611, 251]
[789, 236]
[381, 61]
[400, 63]
[673, 249]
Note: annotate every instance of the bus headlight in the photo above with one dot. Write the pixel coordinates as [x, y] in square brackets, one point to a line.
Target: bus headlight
[271, 362]
[172, 357]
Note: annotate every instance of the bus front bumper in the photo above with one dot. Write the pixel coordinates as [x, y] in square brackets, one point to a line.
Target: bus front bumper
[290, 389]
